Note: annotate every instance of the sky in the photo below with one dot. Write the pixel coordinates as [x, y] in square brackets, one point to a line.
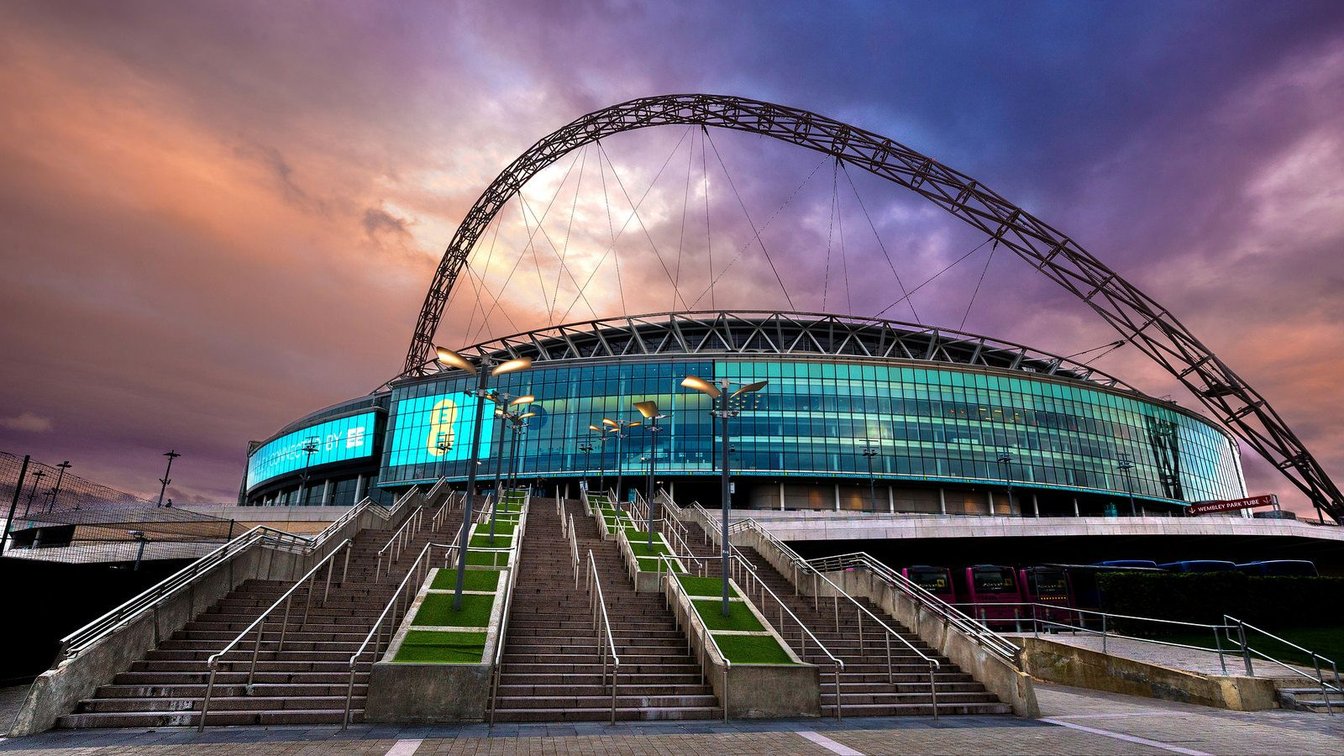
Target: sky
[217, 217]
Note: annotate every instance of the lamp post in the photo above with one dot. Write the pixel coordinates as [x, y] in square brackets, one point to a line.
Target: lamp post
[140, 536]
[171, 454]
[587, 449]
[309, 448]
[453, 359]
[601, 457]
[443, 445]
[1127, 465]
[650, 412]
[869, 452]
[503, 402]
[1006, 463]
[37, 478]
[724, 412]
[56, 489]
[619, 428]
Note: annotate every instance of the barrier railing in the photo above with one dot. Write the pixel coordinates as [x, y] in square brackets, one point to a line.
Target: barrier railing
[391, 551]
[976, 630]
[597, 605]
[573, 551]
[515, 559]
[109, 622]
[697, 626]
[440, 517]
[259, 624]
[1327, 689]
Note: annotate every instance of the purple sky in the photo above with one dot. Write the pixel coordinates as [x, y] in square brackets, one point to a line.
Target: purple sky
[218, 217]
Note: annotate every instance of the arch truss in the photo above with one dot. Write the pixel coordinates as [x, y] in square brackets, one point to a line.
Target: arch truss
[1143, 322]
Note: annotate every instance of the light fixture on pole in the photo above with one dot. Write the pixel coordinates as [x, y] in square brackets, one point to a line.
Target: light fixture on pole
[587, 448]
[649, 410]
[443, 445]
[1127, 466]
[140, 536]
[601, 457]
[619, 428]
[503, 401]
[452, 359]
[724, 412]
[171, 454]
[37, 478]
[56, 489]
[869, 452]
[309, 448]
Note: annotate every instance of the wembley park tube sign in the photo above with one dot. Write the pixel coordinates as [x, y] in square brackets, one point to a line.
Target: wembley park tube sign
[1210, 507]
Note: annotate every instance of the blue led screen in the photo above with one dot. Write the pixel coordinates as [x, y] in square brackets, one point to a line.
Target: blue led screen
[336, 440]
[436, 429]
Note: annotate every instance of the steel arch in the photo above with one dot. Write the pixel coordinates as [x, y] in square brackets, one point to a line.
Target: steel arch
[1141, 320]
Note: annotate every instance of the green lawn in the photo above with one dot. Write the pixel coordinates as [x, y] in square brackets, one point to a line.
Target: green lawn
[487, 558]
[482, 540]
[442, 647]
[702, 586]
[654, 564]
[639, 544]
[475, 580]
[437, 609]
[1324, 641]
[752, 649]
[739, 616]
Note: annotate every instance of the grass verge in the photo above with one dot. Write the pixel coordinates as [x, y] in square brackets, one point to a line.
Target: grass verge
[475, 580]
[752, 649]
[739, 616]
[437, 609]
[442, 647]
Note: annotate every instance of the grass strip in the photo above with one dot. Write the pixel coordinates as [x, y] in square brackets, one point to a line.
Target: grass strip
[654, 564]
[752, 649]
[703, 586]
[488, 558]
[474, 580]
[482, 540]
[739, 616]
[442, 647]
[437, 610]
[638, 543]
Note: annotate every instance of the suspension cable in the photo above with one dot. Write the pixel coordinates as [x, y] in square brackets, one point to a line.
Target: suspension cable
[476, 304]
[989, 259]
[830, 232]
[685, 208]
[931, 279]
[611, 228]
[709, 238]
[756, 233]
[883, 247]
[569, 230]
[840, 229]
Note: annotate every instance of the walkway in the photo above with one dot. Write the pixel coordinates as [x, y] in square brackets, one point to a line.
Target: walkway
[1173, 657]
[1076, 721]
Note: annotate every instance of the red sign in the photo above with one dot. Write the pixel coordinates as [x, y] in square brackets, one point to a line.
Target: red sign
[1209, 507]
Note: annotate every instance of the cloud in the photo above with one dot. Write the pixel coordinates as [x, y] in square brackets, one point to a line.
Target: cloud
[26, 422]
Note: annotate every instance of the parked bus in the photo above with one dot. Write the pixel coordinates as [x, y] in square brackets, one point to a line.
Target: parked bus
[988, 585]
[1140, 563]
[1047, 584]
[1199, 565]
[935, 580]
[1280, 567]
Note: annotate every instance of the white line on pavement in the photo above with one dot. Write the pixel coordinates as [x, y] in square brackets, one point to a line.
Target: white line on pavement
[404, 747]
[1127, 738]
[828, 744]
[1117, 715]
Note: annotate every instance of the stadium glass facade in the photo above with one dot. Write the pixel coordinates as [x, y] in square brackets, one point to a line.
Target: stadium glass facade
[927, 423]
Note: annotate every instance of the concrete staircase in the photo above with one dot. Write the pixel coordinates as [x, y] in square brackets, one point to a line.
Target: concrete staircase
[305, 683]
[864, 687]
[552, 665]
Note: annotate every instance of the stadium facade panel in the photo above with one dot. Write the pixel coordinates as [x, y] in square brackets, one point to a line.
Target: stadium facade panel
[943, 416]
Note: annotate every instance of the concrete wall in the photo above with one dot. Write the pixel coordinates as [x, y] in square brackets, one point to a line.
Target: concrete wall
[1084, 668]
[998, 675]
[57, 691]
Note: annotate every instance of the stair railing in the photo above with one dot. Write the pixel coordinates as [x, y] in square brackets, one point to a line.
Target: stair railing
[1327, 689]
[698, 626]
[971, 628]
[574, 551]
[515, 562]
[597, 605]
[440, 517]
[391, 551]
[409, 582]
[259, 624]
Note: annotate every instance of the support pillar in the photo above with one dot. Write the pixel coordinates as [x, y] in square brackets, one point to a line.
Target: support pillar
[1076, 512]
[781, 496]
[1035, 506]
[837, 497]
[942, 501]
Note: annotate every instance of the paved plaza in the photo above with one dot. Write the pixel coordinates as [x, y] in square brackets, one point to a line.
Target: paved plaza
[1074, 721]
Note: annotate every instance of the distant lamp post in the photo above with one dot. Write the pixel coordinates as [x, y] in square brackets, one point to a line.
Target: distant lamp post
[869, 452]
[724, 412]
[519, 428]
[601, 457]
[140, 536]
[171, 454]
[453, 359]
[443, 445]
[37, 478]
[1127, 466]
[56, 489]
[309, 448]
[650, 412]
[587, 448]
[510, 419]
[1006, 469]
[618, 428]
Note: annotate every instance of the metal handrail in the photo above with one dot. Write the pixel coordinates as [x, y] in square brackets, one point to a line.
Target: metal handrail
[976, 630]
[515, 558]
[574, 551]
[694, 618]
[436, 522]
[398, 542]
[596, 601]
[390, 609]
[115, 618]
[1326, 688]
[260, 622]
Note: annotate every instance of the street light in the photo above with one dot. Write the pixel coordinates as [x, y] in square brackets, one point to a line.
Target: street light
[37, 478]
[503, 401]
[519, 427]
[1006, 463]
[443, 445]
[724, 412]
[171, 454]
[619, 428]
[869, 452]
[587, 449]
[453, 359]
[140, 536]
[601, 457]
[56, 489]
[650, 412]
[1127, 465]
[309, 448]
